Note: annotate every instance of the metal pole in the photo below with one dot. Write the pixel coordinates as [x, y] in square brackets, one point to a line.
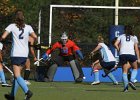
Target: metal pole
[39, 28]
[50, 26]
[116, 11]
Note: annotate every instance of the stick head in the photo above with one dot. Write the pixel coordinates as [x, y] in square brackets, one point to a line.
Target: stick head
[35, 63]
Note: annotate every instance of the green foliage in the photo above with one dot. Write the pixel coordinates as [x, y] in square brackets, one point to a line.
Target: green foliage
[87, 23]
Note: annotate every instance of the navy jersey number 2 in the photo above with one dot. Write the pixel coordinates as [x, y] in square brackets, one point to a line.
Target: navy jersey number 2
[21, 34]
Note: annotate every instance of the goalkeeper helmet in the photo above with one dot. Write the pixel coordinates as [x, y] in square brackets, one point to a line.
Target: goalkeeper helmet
[64, 38]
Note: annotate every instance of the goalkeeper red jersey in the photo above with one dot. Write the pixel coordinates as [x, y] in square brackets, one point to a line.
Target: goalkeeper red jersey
[65, 50]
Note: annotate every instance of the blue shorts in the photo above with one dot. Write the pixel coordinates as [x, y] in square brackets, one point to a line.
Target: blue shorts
[108, 65]
[124, 58]
[20, 61]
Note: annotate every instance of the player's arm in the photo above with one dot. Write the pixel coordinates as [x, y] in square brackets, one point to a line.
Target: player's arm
[4, 35]
[33, 35]
[31, 40]
[116, 44]
[94, 63]
[137, 51]
[96, 49]
[50, 50]
[1, 60]
[78, 51]
[1, 47]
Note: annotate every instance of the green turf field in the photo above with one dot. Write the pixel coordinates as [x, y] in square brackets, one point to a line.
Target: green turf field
[72, 91]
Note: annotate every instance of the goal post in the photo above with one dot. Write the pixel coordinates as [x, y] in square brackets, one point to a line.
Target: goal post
[116, 17]
[116, 12]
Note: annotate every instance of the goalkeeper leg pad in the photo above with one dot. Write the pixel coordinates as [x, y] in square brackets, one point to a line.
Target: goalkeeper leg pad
[51, 72]
[76, 72]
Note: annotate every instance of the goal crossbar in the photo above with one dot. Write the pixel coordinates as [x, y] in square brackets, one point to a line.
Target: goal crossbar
[116, 8]
[102, 7]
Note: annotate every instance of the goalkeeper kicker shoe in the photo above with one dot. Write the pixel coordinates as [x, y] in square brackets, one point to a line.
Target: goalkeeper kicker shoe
[28, 95]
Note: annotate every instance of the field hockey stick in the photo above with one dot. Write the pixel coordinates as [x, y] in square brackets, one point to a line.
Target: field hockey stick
[35, 63]
[40, 60]
[106, 74]
[39, 46]
[8, 69]
[91, 73]
[44, 47]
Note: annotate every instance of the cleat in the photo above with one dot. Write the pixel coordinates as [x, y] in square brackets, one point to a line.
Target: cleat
[46, 80]
[9, 97]
[132, 85]
[5, 85]
[135, 80]
[27, 82]
[28, 95]
[116, 83]
[125, 89]
[95, 83]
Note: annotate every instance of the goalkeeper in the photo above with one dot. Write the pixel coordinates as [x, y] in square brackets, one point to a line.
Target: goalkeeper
[67, 48]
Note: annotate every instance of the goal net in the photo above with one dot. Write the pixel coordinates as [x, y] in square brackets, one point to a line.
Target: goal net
[84, 23]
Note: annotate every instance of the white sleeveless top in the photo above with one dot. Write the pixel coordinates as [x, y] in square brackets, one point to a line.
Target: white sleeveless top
[127, 44]
[20, 40]
[106, 53]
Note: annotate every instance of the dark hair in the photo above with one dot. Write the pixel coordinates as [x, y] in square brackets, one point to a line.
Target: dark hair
[19, 19]
[128, 30]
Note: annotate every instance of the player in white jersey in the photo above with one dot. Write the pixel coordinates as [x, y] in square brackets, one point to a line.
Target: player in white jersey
[27, 64]
[127, 45]
[19, 52]
[2, 76]
[107, 62]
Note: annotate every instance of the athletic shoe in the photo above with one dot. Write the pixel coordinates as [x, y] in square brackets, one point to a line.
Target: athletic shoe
[79, 80]
[46, 80]
[95, 83]
[28, 95]
[135, 80]
[132, 85]
[125, 89]
[5, 85]
[27, 82]
[9, 97]
[116, 83]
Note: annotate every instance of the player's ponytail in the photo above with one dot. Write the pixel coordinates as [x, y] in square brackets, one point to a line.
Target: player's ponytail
[19, 19]
[100, 39]
[128, 30]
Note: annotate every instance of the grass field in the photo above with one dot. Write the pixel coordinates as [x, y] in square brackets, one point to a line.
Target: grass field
[73, 91]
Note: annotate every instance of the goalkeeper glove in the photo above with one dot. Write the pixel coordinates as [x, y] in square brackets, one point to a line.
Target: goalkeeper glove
[45, 56]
